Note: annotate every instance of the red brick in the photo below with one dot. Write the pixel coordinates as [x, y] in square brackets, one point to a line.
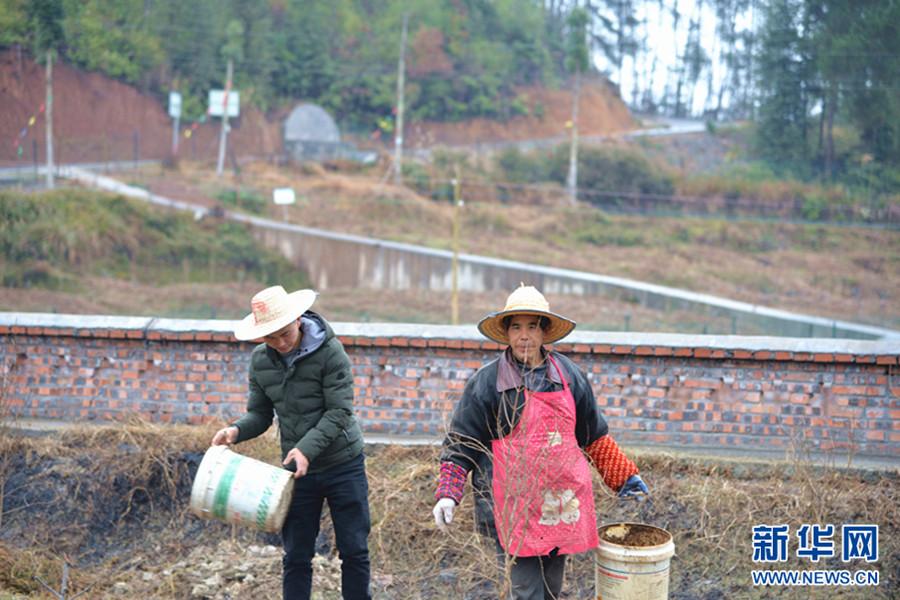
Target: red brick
[781, 355]
[602, 349]
[582, 348]
[203, 336]
[455, 344]
[644, 351]
[684, 352]
[886, 360]
[843, 358]
[471, 345]
[742, 354]
[418, 343]
[662, 351]
[382, 342]
[400, 342]
[823, 357]
[762, 355]
[621, 350]
[437, 343]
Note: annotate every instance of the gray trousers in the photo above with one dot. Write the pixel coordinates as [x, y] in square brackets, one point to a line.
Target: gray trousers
[534, 577]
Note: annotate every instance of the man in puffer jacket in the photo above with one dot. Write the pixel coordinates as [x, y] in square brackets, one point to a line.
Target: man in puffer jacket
[301, 372]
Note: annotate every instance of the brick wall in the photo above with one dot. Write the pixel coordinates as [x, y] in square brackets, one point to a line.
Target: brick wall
[778, 393]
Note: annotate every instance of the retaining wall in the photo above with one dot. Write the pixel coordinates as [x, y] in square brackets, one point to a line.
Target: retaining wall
[692, 391]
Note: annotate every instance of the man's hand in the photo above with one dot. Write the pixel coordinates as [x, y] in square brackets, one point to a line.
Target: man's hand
[634, 488]
[443, 512]
[300, 462]
[228, 435]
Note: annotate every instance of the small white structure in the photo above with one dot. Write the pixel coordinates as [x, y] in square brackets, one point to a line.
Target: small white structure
[311, 134]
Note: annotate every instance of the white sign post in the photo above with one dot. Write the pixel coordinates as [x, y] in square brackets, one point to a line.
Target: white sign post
[175, 113]
[284, 197]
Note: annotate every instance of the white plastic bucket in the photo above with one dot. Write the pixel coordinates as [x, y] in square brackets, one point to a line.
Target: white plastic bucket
[633, 572]
[241, 490]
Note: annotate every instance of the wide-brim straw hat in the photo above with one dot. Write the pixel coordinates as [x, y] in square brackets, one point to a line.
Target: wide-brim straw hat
[272, 309]
[526, 300]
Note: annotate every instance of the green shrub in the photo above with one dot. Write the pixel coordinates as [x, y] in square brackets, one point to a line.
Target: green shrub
[518, 167]
[602, 172]
[249, 200]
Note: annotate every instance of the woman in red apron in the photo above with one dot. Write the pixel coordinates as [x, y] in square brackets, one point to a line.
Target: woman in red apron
[523, 427]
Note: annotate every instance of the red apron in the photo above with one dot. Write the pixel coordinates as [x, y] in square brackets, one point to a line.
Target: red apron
[543, 498]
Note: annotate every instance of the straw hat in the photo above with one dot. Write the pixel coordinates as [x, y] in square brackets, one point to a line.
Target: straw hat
[273, 308]
[526, 300]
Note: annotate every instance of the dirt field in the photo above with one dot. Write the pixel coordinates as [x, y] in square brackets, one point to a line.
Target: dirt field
[113, 502]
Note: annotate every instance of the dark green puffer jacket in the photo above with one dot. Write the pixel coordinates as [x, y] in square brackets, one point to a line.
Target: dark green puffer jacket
[313, 399]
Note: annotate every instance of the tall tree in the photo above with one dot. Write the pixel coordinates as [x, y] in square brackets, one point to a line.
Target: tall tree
[112, 36]
[783, 84]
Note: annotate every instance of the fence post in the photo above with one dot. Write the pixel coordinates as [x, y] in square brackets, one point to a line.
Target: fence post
[136, 143]
[34, 157]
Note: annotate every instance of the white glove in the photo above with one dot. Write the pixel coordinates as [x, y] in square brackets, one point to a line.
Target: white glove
[443, 512]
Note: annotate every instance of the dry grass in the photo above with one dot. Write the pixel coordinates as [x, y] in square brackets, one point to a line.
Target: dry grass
[844, 272]
[113, 501]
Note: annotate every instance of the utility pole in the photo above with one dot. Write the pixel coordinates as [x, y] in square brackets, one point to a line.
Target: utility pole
[223, 135]
[457, 207]
[398, 129]
[577, 61]
[48, 117]
[572, 179]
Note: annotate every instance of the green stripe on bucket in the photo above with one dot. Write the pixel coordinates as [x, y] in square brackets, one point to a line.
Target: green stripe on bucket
[223, 490]
[262, 510]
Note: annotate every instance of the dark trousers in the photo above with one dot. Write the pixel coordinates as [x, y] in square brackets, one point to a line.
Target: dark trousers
[534, 577]
[346, 489]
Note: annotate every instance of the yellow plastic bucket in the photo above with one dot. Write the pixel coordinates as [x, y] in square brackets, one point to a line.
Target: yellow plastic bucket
[241, 490]
[627, 569]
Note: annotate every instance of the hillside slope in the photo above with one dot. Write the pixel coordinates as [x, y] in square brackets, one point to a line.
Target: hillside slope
[99, 119]
[845, 273]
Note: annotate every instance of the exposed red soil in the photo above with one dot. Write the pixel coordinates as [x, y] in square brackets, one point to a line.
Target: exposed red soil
[99, 119]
